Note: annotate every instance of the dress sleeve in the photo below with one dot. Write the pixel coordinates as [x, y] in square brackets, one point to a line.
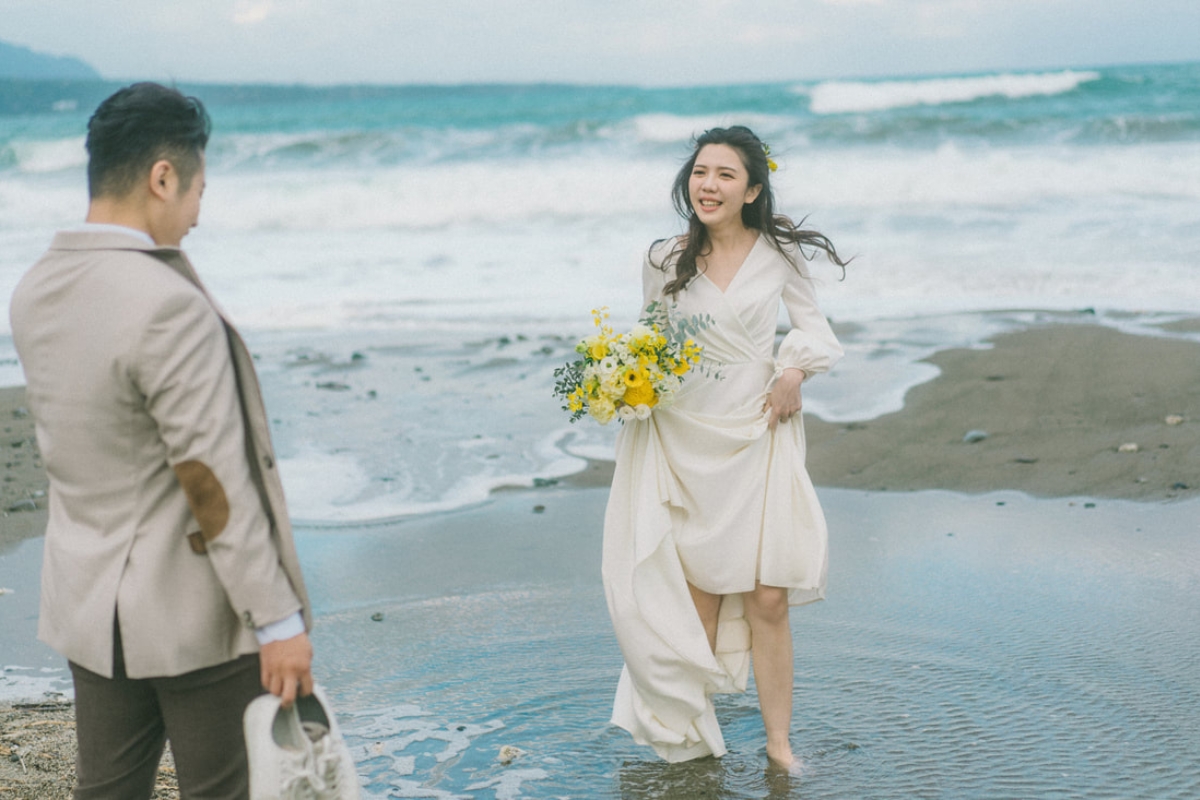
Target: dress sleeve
[654, 279]
[810, 345]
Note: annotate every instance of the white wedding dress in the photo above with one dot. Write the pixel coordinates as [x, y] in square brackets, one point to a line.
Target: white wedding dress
[704, 492]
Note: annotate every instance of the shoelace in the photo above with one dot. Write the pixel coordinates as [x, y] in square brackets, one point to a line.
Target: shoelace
[319, 779]
[327, 765]
[319, 784]
[299, 786]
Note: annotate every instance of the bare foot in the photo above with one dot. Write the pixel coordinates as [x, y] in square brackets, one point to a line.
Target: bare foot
[783, 760]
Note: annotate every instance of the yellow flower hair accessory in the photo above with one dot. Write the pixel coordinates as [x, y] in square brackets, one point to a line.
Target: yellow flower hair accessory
[771, 165]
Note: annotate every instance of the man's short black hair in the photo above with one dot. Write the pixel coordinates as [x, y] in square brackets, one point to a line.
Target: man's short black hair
[138, 126]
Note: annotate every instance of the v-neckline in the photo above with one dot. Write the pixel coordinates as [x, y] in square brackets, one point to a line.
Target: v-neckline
[736, 272]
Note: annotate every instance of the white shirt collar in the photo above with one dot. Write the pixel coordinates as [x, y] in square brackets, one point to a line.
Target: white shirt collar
[105, 227]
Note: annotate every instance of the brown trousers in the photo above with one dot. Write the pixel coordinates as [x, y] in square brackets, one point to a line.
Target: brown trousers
[122, 724]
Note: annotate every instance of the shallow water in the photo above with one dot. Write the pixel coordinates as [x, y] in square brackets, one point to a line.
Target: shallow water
[971, 646]
[993, 646]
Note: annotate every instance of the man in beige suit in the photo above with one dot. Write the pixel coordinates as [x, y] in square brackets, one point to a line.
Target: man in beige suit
[170, 580]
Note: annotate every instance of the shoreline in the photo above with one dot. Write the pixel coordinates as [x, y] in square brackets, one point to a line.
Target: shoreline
[1055, 410]
[1051, 425]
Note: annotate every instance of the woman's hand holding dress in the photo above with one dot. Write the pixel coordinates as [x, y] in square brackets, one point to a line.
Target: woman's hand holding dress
[783, 401]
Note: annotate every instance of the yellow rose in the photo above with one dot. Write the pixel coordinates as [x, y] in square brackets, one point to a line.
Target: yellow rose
[641, 394]
[602, 410]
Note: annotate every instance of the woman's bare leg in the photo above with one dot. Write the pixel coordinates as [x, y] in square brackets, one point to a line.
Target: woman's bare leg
[708, 606]
[771, 638]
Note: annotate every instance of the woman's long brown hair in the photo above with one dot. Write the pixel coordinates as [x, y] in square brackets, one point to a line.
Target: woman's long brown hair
[759, 215]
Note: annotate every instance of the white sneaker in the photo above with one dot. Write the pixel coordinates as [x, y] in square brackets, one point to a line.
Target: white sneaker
[297, 753]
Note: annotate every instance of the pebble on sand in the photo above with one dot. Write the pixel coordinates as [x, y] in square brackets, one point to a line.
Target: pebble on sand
[1128, 447]
[974, 436]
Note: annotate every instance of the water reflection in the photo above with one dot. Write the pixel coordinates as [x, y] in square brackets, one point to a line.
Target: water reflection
[732, 777]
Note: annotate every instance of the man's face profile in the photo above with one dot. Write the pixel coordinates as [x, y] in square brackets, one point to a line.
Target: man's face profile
[181, 206]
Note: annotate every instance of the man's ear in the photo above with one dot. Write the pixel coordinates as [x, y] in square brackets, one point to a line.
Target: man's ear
[163, 178]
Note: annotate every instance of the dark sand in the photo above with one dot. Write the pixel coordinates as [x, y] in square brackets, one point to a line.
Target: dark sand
[1056, 403]
[37, 754]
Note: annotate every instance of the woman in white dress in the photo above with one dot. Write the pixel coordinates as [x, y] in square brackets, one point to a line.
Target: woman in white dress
[713, 529]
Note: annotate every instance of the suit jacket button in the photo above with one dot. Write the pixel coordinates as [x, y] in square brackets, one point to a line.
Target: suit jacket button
[268, 462]
[248, 619]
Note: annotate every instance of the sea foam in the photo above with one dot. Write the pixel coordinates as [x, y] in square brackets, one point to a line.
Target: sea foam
[47, 155]
[839, 97]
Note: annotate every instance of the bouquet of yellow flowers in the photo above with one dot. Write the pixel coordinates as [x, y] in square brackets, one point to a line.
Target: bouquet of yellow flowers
[626, 375]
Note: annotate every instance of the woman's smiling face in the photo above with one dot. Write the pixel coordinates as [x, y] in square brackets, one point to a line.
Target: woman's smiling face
[719, 186]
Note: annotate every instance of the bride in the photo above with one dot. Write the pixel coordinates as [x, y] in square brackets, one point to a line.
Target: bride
[712, 528]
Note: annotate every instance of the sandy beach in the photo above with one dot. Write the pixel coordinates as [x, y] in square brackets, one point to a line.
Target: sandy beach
[1066, 410]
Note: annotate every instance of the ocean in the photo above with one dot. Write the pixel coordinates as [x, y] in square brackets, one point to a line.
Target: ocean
[426, 255]
[409, 265]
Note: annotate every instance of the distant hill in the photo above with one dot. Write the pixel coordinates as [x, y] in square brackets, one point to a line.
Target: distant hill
[21, 62]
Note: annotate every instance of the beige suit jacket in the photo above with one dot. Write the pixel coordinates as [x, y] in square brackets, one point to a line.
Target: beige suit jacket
[165, 504]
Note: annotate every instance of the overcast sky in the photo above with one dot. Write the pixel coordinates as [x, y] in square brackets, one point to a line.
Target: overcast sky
[643, 42]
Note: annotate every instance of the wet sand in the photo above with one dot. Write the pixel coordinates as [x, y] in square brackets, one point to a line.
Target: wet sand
[1056, 403]
[992, 645]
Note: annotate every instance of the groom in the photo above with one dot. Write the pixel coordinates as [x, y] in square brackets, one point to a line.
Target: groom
[170, 581]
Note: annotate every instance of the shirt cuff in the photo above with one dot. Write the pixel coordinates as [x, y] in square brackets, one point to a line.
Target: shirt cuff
[285, 628]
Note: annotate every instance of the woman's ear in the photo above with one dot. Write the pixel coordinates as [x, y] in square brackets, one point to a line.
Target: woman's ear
[753, 192]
